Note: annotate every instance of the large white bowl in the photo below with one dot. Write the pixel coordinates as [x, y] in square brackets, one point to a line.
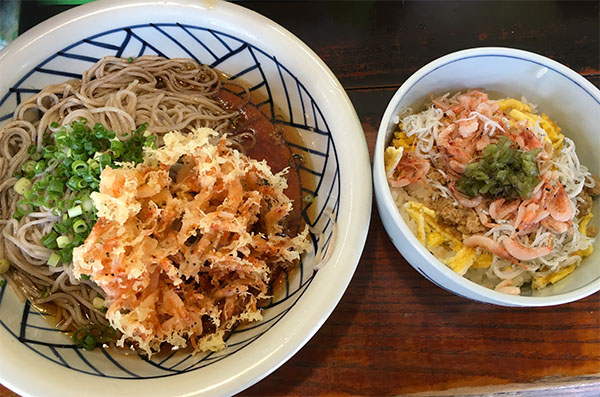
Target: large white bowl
[569, 99]
[35, 359]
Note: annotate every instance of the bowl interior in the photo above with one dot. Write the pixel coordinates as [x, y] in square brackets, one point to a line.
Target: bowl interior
[567, 98]
[287, 101]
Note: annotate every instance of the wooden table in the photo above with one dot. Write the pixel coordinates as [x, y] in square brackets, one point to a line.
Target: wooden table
[393, 331]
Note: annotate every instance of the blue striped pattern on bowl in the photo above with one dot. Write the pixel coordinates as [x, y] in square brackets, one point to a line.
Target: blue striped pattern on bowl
[240, 60]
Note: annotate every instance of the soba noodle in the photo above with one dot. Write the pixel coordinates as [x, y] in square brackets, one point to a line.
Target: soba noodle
[121, 94]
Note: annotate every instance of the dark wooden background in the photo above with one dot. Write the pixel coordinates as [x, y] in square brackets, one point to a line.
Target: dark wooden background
[393, 331]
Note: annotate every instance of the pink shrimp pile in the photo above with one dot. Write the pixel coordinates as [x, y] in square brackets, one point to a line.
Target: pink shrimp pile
[184, 254]
[470, 122]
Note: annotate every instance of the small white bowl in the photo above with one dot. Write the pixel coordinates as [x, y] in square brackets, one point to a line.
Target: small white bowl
[568, 98]
[36, 360]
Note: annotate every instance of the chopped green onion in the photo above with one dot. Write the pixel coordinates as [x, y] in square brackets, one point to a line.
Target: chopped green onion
[87, 205]
[63, 241]
[4, 265]
[40, 186]
[70, 160]
[130, 60]
[104, 159]
[81, 184]
[48, 152]
[85, 276]
[117, 147]
[78, 239]
[32, 197]
[79, 167]
[50, 200]
[89, 343]
[24, 207]
[39, 167]
[79, 226]
[94, 167]
[66, 254]
[23, 185]
[55, 187]
[98, 302]
[61, 228]
[309, 198]
[501, 172]
[2, 282]
[73, 182]
[28, 166]
[74, 211]
[89, 337]
[49, 240]
[68, 203]
[53, 259]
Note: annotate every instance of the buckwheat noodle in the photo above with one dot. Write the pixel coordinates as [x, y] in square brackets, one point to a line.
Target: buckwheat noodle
[121, 94]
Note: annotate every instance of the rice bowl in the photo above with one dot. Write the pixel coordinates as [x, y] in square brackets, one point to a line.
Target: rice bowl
[503, 72]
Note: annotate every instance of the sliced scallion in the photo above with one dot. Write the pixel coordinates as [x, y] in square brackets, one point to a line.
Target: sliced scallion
[62, 241]
[23, 185]
[68, 163]
[75, 211]
[53, 259]
[98, 302]
[49, 240]
[79, 167]
[87, 205]
[80, 226]
[28, 166]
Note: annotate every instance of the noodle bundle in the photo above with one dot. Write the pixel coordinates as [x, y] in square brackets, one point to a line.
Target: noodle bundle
[121, 94]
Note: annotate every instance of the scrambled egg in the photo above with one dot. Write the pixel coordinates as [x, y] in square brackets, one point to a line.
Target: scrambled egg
[391, 158]
[402, 140]
[520, 111]
[431, 234]
[393, 153]
[541, 282]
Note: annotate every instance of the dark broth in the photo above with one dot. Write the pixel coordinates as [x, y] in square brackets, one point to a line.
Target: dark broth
[271, 146]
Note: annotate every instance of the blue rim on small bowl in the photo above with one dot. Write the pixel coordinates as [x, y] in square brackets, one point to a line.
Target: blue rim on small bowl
[538, 68]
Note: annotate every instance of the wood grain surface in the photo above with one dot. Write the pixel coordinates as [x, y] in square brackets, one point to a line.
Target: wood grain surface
[394, 332]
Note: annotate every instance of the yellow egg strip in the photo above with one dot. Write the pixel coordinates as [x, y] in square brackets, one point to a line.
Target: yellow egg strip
[391, 158]
[552, 278]
[432, 235]
[463, 260]
[583, 224]
[406, 142]
[426, 217]
[583, 229]
[483, 261]
[512, 103]
[522, 111]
